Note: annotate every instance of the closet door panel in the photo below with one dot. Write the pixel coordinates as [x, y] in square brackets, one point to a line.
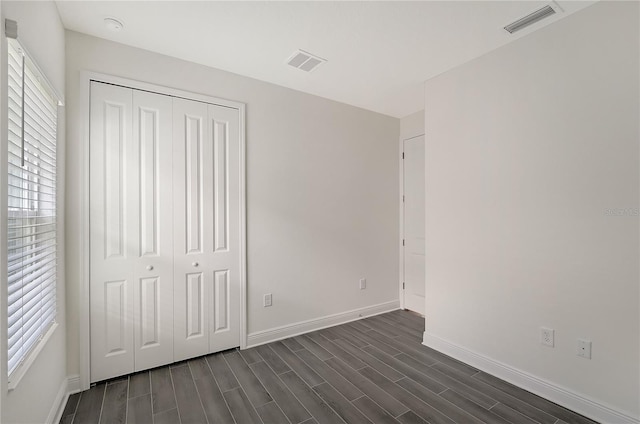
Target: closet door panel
[194, 306]
[112, 225]
[165, 229]
[223, 228]
[191, 205]
[153, 288]
[220, 139]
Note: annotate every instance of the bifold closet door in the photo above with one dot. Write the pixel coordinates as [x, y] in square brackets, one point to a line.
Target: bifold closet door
[206, 228]
[112, 256]
[153, 284]
[131, 265]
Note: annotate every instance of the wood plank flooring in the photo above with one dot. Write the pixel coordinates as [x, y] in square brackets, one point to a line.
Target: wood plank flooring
[370, 371]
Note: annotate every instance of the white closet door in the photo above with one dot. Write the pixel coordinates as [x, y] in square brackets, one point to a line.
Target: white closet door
[223, 227]
[206, 228]
[153, 287]
[131, 286]
[112, 219]
[165, 229]
[191, 205]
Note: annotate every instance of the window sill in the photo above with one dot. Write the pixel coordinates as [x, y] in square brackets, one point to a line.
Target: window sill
[18, 373]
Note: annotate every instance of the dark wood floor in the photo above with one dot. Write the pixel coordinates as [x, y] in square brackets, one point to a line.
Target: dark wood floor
[372, 370]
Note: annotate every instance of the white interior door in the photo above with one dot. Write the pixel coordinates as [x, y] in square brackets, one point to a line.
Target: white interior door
[131, 287]
[414, 219]
[224, 225]
[191, 330]
[153, 270]
[206, 228]
[112, 155]
[165, 266]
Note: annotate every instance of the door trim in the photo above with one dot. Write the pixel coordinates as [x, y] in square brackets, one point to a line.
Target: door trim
[401, 220]
[86, 77]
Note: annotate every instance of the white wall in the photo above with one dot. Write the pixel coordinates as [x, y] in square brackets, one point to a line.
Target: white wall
[37, 394]
[412, 125]
[322, 188]
[527, 148]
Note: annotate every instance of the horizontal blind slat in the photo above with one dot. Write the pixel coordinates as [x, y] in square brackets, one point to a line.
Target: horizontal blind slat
[18, 183]
[23, 256]
[18, 258]
[30, 235]
[35, 156]
[33, 160]
[29, 273]
[46, 110]
[16, 167]
[17, 180]
[29, 257]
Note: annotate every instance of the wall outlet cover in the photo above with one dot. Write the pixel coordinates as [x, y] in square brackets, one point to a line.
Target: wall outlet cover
[584, 348]
[547, 336]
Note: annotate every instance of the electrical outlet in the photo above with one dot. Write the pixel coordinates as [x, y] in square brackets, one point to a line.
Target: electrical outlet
[267, 300]
[584, 348]
[363, 283]
[547, 336]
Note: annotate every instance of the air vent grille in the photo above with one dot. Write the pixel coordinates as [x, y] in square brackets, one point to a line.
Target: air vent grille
[530, 19]
[305, 61]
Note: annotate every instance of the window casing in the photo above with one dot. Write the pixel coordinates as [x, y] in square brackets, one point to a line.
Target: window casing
[31, 207]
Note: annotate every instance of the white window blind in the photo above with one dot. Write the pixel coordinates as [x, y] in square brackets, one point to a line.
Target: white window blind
[32, 119]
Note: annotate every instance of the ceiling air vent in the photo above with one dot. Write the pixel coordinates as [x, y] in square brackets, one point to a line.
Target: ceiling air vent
[530, 19]
[305, 61]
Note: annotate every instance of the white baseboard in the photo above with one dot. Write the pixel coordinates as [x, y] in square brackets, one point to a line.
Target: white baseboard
[560, 395]
[58, 404]
[70, 385]
[267, 336]
[73, 384]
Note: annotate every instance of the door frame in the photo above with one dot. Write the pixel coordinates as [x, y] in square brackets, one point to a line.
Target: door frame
[86, 77]
[401, 209]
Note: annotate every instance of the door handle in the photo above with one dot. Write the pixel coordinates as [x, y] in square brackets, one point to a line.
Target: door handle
[149, 267]
[195, 264]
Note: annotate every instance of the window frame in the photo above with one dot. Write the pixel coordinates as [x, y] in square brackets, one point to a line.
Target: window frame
[14, 377]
